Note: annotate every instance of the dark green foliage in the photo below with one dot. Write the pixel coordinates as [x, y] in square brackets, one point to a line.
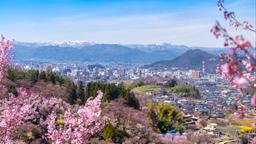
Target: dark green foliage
[164, 118]
[63, 81]
[186, 90]
[138, 83]
[132, 101]
[168, 117]
[152, 115]
[111, 92]
[13, 90]
[14, 74]
[171, 83]
[42, 76]
[88, 91]
[164, 126]
[81, 92]
[72, 94]
[77, 94]
[182, 89]
[110, 132]
[35, 75]
[11, 75]
[179, 128]
[32, 75]
[52, 77]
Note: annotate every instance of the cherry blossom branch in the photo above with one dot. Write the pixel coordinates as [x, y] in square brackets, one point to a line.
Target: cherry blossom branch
[230, 16]
[239, 66]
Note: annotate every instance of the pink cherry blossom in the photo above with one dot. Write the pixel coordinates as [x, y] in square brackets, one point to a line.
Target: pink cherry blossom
[239, 64]
[248, 65]
[241, 82]
[247, 25]
[14, 111]
[230, 16]
[175, 139]
[228, 69]
[253, 101]
[5, 55]
[253, 140]
[78, 125]
[241, 43]
[216, 31]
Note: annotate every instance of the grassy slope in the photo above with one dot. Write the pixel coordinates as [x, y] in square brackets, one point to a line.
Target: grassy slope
[146, 88]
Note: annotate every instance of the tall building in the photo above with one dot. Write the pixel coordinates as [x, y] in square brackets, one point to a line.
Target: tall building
[195, 74]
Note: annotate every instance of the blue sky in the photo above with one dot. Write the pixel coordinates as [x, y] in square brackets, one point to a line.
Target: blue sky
[185, 22]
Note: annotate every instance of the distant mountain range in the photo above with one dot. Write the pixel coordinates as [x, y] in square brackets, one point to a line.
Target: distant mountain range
[99, 53]
[191, 59]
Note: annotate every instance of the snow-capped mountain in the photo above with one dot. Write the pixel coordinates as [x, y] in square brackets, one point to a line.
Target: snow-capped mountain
[85, 51]
[58, 43]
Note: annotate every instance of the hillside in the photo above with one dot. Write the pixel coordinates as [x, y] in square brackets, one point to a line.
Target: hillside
[92, 53]
[125, 121]
[191, 59]
[144, 54]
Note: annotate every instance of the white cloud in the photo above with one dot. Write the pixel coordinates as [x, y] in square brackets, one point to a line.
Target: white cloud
[190, 26]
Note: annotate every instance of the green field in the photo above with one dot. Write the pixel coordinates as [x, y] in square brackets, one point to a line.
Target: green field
[223, 86]
[146, 88]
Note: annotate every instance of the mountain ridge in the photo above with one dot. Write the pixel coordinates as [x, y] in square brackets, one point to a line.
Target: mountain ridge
[191, 59]
[92, 52]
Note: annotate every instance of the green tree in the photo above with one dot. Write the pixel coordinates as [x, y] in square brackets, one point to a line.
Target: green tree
[11, 74]
[80, 92]
[111, 92]
[42, 76]
[108, 131]
[13, 90]
[72, 95]
[51, 77]
[32, 75]
[138, 83]
[132, 101]
[179, 128]
[152, 114]
[171, 83]
[106, 97]
[168, 117]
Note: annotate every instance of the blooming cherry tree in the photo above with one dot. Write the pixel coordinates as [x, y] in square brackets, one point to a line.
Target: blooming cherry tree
[75, 126]
[5, 56]
[64, 124]
[14, 112]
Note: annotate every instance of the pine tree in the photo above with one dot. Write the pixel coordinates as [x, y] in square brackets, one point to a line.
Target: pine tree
[72, 94]
[80, 92]
[106, 97]
[88, 90]
[42, 76]
[51, 77]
